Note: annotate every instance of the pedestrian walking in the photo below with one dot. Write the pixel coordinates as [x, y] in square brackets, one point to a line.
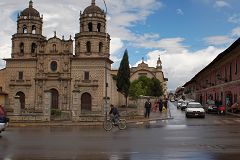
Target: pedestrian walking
[147, 106]
[155, 106]
[160, 105]
[166, 103]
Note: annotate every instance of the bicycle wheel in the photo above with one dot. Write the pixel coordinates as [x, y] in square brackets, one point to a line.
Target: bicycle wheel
[122, 124]
[107, 125]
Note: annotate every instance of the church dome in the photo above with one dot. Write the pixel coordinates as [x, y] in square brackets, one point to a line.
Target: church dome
[30, 11]
[93, 9]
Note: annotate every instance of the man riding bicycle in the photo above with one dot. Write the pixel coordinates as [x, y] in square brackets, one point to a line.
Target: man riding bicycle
[114, 114]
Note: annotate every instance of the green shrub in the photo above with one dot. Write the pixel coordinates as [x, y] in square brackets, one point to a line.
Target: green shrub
[56, 112]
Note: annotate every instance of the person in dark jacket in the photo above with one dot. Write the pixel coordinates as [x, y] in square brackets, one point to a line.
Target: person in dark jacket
[160, 105]
[147, 106]
[114, 114]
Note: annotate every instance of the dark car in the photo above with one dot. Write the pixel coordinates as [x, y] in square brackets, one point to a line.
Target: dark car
[211, 107]
[3, 119]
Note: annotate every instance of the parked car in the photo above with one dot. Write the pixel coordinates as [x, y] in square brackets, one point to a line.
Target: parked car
[195, 109]
[211, 107]
[2, 127]
[184, 105]
[3, 119]
[179, 103]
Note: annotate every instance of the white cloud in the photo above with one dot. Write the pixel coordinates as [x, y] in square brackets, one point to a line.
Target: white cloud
[115, 47]
[2, 63]
[221, 4]
[218, 40]
[180, 68]
[179, 11]
[236, 32]
[234, 19]
[171, 45]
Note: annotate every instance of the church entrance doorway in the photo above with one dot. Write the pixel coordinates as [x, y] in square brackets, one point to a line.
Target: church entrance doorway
[21, 99]
[54, 100]
[86, 102]
[55, 111]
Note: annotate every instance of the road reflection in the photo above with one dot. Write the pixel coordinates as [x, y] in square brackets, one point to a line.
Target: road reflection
[129, 156]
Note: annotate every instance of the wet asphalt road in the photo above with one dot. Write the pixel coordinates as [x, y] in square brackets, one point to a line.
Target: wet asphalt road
[212, 138]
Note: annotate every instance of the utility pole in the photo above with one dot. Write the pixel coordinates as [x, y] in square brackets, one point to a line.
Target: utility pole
[106, 83]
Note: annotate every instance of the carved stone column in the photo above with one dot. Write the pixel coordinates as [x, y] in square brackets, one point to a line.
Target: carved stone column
[17, 105]
[47, 105]
[76, 111]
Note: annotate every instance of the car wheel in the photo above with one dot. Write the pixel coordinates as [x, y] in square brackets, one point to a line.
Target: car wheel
[187, 116]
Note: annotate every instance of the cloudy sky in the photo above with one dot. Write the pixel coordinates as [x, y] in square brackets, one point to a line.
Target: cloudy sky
[186, 34]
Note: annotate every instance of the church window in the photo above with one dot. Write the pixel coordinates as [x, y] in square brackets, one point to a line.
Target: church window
[99, 27]
[22, 47]
[86, 76]
[53, 66]
[90, 27]
[24, 29]
[33, 29]
[88, 46]
[33, 47]
[20, 75]
[100, 46]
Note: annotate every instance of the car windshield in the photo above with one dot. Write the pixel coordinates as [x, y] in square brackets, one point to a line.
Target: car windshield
[194, 105]
[210, 102]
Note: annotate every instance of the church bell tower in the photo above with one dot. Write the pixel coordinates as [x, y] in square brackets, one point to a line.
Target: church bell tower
[92, 40]
[29, 33]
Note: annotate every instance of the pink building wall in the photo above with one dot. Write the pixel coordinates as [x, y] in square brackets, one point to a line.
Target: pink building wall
[220, 80]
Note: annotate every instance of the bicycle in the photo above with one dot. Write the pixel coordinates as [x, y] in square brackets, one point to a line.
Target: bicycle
[108, 124]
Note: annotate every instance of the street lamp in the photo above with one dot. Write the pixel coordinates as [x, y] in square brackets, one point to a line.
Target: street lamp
[106, 98]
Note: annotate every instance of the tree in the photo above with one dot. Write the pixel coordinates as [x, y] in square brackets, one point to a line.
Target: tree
[156, 88]
[145, 86]
[136, 89]
[123, 76]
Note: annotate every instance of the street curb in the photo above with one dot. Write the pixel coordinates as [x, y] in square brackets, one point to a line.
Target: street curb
[233, 114]
[84, 124]
[149, 120]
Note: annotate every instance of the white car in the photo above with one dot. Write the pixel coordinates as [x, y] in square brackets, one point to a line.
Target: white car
[195, 109]
[179, 103]
[2, 127]
[183, 105]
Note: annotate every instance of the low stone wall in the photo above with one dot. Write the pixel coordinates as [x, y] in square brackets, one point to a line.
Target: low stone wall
[28, 118]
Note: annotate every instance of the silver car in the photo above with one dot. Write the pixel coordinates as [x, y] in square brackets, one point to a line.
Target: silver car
[195, 109]
[2, 126]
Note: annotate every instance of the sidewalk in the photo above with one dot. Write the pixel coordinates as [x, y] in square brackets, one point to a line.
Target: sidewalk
[154, 116]
[233, 114]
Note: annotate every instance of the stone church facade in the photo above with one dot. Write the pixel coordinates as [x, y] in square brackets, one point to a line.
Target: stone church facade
[44, 77]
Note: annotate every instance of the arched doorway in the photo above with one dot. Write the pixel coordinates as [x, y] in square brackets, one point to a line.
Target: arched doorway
[21, 99]
[228, 99]
[86, 102]
[54, 100]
